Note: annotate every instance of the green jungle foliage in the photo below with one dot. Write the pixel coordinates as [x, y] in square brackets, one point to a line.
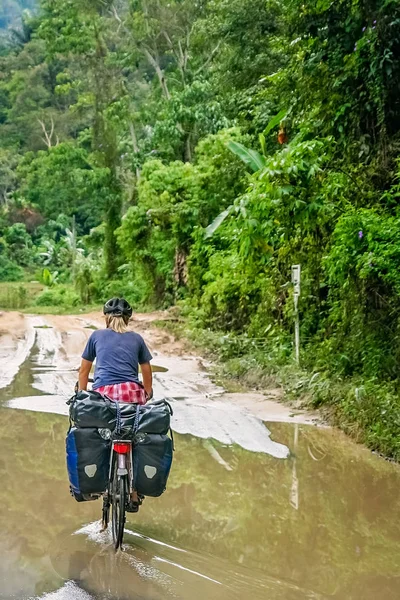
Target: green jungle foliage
[182, 150]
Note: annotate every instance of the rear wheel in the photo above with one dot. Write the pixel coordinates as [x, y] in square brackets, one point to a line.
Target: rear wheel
[118, 507]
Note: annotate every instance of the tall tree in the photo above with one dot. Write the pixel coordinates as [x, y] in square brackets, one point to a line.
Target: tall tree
[80, 31]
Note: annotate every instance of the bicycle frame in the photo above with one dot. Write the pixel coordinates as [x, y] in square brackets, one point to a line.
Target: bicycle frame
[119, 488]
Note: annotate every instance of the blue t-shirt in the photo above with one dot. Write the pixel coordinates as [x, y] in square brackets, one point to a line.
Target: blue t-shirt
[118, 356]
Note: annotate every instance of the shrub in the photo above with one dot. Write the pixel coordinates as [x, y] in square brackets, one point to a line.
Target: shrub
[10, 271]
[133, 289]
[58, 296]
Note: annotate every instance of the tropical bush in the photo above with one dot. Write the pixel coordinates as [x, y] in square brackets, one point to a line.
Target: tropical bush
[60, 295]
[10, 270]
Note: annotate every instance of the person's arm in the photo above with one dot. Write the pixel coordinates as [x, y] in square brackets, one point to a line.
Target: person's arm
[84, 371]
[147, 376]
[88, 356]
[144, 361]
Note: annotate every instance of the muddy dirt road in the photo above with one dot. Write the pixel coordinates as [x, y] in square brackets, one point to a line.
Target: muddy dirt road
[260, 503]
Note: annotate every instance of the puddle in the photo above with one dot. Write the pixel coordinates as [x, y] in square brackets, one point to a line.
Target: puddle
[236, 521]
[283, 530]
[158, 369]
[41, 386]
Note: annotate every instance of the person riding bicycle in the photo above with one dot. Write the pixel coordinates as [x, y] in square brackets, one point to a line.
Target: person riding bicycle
[118, 353]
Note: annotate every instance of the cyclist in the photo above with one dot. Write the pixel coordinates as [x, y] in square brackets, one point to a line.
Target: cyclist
[118, 353]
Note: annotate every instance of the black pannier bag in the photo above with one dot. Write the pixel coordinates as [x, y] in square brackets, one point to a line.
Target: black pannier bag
[88, 461]
[92, 409]
[154, 417]
[152, 459]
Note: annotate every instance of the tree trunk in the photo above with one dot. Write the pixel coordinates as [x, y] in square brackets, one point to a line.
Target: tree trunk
[160, 73]
[180, 268]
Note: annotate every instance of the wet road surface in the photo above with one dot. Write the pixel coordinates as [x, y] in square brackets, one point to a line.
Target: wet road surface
[322, 521]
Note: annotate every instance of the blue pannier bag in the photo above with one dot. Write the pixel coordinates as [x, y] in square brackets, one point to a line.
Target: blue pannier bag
[152, 459]
[88, 461]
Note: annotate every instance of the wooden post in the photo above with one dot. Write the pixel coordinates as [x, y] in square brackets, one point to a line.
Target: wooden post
[296, 276]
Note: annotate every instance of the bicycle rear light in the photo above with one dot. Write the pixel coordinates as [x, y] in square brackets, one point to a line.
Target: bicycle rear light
[122, 447]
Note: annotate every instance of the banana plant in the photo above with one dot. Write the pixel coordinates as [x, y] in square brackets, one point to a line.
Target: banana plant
[49, 278]
[252, 159]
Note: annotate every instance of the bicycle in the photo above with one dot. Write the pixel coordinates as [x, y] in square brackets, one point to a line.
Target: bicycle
[118, 494]
[117, 497]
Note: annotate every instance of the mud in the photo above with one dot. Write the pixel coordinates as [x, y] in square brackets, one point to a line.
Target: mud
[277, 511]
[16, 340]
[200, 407]
[59, 341]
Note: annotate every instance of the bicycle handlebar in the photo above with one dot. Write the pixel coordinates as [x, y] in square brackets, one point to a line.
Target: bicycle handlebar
[90, 380]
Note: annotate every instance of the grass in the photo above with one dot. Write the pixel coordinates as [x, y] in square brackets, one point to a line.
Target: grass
[18, 295]
[367, 410]
[22, 296]
[61, 310]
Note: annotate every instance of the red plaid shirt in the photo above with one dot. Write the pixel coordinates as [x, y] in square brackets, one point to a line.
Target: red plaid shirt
[124, 392]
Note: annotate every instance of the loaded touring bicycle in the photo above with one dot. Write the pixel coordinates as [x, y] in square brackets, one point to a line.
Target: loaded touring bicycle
[115, 449]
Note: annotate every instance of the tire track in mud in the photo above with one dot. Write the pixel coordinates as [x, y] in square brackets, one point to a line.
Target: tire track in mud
[15, 348]
[39, 340]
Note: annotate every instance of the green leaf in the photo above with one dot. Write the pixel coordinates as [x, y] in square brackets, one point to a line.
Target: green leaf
[252, 158]
[261, 137]
[275, 121]
[47, 277]
[212, 228]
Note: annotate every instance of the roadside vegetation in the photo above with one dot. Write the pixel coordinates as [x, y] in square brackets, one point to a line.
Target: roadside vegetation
[191, 152]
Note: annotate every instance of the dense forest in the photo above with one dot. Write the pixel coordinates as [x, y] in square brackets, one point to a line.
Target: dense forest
[191, 151]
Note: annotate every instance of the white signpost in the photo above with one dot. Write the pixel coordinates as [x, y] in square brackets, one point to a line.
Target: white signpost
[296, 276]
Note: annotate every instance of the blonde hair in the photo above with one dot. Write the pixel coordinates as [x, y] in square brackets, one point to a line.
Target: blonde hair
[119, 324]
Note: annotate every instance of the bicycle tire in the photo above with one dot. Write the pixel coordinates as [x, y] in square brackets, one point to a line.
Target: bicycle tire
[118, 508]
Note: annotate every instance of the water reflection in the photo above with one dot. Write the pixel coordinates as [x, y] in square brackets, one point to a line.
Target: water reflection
[322, 524]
